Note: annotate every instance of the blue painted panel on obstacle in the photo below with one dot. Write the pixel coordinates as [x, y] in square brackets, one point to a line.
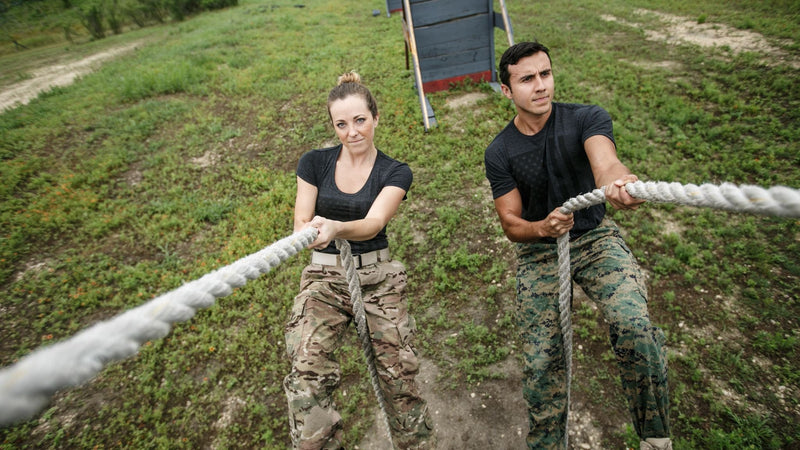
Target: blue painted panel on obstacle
[430, 12]
[454, 39]
[393, 5]
[450, 41]
[455, 48]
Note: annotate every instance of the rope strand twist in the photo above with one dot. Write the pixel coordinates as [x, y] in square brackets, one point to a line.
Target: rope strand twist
[27, 386]
[362, 328]
[779, 201]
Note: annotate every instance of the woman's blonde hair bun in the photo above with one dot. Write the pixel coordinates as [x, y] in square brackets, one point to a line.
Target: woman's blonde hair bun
[349, 77]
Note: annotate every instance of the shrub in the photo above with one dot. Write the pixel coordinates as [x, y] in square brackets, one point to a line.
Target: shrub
[92, 18]
[217, 4]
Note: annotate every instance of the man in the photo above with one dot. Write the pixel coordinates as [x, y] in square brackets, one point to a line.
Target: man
[549, 153]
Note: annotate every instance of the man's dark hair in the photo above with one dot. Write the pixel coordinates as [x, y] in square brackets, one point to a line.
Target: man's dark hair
[517, 52]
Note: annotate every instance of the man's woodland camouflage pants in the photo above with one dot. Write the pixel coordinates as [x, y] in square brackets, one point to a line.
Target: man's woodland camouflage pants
[604, 267]
[319, 317]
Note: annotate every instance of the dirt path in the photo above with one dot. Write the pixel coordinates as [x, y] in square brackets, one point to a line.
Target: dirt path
[677, 29]
[492, 415]
[46, 78]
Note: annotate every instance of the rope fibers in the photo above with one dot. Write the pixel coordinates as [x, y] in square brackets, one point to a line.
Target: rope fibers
[776, 201]
[362, 328]
[27, 386]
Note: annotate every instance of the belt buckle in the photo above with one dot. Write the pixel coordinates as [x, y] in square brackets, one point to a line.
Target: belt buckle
[357, 261]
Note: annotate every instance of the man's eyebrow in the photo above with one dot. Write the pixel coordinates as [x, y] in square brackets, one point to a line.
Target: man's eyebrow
[534, 73]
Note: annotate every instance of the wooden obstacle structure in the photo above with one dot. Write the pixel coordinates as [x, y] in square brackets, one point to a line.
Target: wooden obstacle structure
[450, 41]
[393, 6]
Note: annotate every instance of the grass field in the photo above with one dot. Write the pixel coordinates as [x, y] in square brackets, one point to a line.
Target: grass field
[178, 158]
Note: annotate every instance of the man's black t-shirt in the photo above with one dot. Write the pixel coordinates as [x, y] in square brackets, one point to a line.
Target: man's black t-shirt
[551, 166]
[318, 167]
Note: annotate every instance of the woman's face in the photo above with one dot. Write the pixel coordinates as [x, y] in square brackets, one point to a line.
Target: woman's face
[353, 123]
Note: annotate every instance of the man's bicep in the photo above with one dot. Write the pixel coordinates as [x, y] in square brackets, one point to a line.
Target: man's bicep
[509, 205]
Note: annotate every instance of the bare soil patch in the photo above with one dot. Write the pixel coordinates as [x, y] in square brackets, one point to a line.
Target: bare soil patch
[491, 414]
[677, 29]
[46, 78]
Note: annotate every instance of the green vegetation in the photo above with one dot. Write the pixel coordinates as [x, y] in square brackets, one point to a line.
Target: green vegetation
[178, 158]
[27, 24]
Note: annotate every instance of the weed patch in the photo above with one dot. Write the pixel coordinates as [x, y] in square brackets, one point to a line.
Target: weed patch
[175, 159]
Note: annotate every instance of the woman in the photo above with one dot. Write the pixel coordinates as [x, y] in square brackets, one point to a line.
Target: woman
[351, 191]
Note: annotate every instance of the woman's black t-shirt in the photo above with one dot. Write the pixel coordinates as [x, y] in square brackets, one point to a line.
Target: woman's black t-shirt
[318, 167]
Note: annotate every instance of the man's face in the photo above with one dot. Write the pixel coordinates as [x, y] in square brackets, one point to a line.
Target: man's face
[532, 85]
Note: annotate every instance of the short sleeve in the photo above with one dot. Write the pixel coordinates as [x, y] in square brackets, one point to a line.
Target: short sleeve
[596, 121]
[305, 168]
[498, 171]
[400, 176]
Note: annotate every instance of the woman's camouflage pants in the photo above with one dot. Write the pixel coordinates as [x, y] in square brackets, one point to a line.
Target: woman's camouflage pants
[320, 315]
[607, 272]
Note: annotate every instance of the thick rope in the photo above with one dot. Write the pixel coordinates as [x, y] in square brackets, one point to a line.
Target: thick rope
[362, 328]
[776, 201]
[565, 288]
[27, 386]
[779, 201]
